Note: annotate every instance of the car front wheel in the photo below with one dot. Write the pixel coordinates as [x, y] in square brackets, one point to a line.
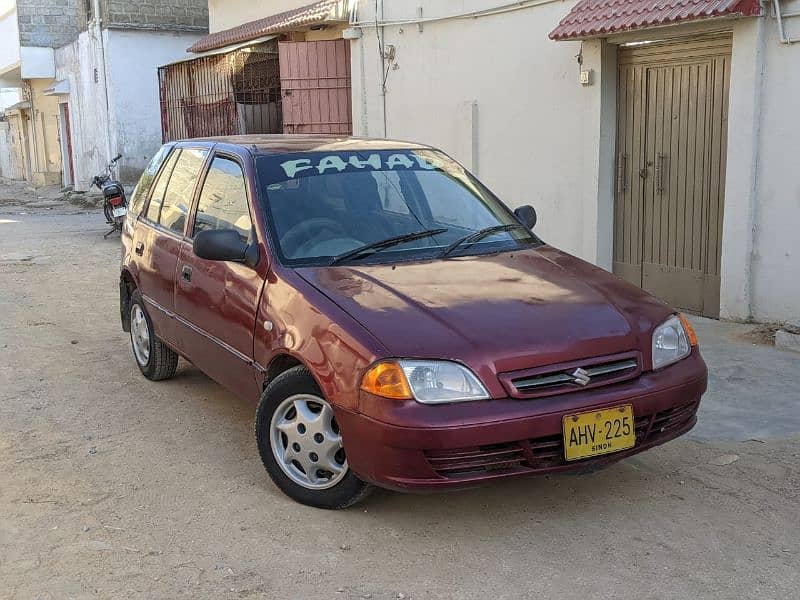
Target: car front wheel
[301, 445]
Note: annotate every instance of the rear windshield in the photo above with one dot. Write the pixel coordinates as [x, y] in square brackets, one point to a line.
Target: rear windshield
[322, 205]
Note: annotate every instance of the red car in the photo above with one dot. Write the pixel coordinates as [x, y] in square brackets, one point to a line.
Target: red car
[394, 321]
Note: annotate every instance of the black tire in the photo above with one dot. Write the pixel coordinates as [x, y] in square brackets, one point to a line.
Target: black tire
[162, 360]
[108, 212]
[346, 492]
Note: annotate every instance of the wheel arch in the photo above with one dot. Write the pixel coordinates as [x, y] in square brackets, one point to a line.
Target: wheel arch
[127, 285]
[280, 363]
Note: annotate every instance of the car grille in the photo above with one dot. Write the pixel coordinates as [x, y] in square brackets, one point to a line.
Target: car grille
[541, 453]
[573, 376]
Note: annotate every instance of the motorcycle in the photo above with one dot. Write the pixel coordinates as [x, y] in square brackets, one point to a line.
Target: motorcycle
[115, 204]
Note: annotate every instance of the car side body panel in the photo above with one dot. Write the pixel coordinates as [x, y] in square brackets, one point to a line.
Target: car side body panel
[296, 320]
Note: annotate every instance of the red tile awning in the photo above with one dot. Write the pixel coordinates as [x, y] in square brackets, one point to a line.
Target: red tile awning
[311, 14]
[591, 18]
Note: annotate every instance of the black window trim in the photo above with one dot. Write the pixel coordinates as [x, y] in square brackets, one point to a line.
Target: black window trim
[227, 154]
[209, 149]
[146, 201]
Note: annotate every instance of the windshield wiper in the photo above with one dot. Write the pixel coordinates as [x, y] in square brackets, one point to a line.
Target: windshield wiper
[368, 249]
[479, 235]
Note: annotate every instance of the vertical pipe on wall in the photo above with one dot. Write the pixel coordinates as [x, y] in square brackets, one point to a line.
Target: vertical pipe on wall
[104, 75]
[380, 32]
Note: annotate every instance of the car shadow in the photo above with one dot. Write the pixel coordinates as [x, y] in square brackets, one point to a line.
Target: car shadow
[644, 479]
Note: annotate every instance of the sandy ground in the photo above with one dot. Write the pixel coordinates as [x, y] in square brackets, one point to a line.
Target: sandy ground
[115, 487]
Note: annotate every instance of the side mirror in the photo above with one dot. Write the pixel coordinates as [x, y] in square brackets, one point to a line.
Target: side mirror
[225, 244]
[526, 215]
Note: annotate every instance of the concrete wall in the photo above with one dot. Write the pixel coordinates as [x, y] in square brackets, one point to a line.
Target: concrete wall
[224, 14]
[6, 169]
[761, 245]
[9, 41]
[171, 15]
[49, 23]
[133, 58]
[76, 64]
[134, 127]
[8, 96]
[505, 100]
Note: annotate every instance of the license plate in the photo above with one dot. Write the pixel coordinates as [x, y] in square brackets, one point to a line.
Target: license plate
[598, 432]
[120, 211]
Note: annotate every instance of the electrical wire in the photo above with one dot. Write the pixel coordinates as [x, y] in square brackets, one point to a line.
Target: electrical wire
[503, 8]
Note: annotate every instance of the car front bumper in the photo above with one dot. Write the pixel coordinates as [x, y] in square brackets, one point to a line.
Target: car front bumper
[413, 447]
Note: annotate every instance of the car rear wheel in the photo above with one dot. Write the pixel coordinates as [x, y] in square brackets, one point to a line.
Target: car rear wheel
[155, 359]
[301, 445]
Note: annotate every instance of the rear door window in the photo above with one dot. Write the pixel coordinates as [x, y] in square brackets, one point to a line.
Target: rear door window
[180, 190]
[223, 199]
[146, 180]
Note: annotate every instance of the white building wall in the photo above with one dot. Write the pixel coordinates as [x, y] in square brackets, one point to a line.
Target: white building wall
[501, 97]
[505, 100]
[761, 245]
[9, 41]
[130, 124]
[77, 63]
[6, 167]
[8, 96]
[133, 59]
[776, 257]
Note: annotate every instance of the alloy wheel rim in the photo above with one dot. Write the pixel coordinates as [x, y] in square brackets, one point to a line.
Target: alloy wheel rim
[140, 335]
[306, 442]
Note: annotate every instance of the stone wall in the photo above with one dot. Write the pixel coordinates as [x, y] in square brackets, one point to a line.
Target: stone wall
[165, 15]
[49, 23]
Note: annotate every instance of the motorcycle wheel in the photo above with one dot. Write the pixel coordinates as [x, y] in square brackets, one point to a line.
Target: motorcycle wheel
[108, 211]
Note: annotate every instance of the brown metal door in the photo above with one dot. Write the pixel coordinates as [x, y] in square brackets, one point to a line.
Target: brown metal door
[68, 134]
[671, 148]
[315, 86]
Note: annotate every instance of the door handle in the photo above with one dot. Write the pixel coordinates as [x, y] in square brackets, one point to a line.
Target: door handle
[186, 273]
[139, 248]
[622, 163]
[659, 173]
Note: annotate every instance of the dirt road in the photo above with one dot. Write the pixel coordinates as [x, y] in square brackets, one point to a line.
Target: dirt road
[115, 487]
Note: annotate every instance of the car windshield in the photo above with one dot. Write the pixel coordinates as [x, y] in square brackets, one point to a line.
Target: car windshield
[396, 205]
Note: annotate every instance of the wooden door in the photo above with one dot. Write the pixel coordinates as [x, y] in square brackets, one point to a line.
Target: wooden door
[671, 148]
[315, 87]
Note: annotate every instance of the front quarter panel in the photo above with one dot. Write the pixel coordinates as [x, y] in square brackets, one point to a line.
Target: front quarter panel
[295, 319]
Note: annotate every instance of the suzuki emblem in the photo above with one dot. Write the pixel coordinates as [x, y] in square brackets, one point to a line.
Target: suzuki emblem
[580, 377]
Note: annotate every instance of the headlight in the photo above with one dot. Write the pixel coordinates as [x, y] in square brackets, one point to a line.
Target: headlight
[426, 381]
[672, 341]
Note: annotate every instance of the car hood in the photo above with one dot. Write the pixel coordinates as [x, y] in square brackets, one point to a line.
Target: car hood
[503, 311]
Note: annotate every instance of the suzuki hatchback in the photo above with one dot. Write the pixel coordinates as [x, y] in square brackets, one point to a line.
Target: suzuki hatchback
[394, 321]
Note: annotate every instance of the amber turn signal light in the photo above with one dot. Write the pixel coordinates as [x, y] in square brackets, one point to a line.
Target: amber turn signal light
[388, 380]
[689, 329]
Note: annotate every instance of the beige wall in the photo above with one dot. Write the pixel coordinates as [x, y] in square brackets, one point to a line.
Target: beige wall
[224, 14]
[43, 135]
[502, 98]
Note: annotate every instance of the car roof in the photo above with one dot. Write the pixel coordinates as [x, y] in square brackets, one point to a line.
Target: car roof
[281, 144]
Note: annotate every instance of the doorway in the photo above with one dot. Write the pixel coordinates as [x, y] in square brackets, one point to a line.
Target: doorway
[672, 120]
[66, 145]
[315, 84]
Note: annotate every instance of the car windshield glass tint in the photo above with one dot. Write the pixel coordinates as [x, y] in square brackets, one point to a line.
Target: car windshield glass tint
[323, 205]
